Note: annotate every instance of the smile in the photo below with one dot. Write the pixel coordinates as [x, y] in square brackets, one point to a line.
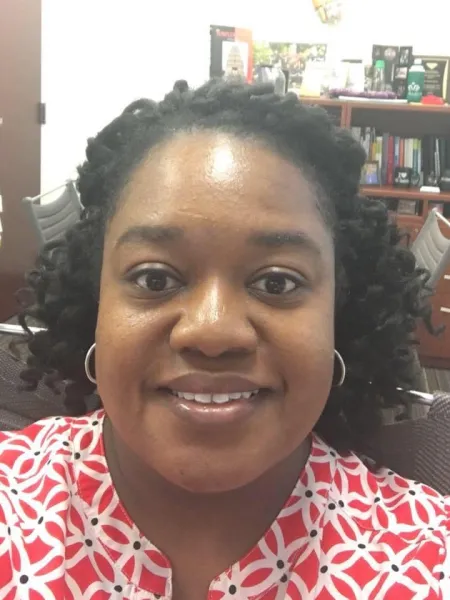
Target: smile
[214, 398]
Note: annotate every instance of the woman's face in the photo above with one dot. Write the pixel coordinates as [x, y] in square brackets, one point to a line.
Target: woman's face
[215, 333]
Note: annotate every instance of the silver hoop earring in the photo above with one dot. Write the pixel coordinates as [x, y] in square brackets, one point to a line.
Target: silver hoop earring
[87, 367]
[343, 369]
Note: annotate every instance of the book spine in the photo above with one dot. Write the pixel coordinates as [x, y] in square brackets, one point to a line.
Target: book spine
[385, 158]
[390, 161]
[419, 161]
[367, 142]
[437, 159]
[415, 164]
[396, 151]
[379, 151]
[410, 159]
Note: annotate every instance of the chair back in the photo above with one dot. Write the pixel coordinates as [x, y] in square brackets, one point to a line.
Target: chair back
[20, 407]
[51, 220]
[418, 449]
[431, 248]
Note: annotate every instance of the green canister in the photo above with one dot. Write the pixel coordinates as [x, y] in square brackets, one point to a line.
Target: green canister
[416, 79]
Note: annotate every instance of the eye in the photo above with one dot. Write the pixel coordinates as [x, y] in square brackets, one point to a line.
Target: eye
[156, 280]
[278, 283]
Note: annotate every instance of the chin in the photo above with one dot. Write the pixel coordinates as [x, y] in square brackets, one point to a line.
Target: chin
[212, 481]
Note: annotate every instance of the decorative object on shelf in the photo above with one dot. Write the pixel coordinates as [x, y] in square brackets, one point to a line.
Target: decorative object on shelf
[407, 207]
[432, 180]
[444, 183]
[416, 178]
[405, 56]
[289, 57]
[353, 76]
[430, 189]
[402, 177]
[379, 78]
[400, 78]
[433, 100]
[436, 76]
[314, 79]
[404, 61]
[345, 94]
[329, 11]
[271, 74]
[371, 173]
[388, 54]
[231, 53]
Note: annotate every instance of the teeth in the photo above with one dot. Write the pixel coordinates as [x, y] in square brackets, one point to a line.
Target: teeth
[202, 398]
[214, 398]
[222, 398]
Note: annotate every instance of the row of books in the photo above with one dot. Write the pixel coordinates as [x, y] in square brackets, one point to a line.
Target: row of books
[426, 157]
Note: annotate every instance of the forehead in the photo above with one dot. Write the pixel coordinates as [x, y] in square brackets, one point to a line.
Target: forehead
[219, 181]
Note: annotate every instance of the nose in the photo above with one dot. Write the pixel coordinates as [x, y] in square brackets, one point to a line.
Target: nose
[214, 322]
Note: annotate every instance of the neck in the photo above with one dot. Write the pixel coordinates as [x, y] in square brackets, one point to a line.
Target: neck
[230, 523]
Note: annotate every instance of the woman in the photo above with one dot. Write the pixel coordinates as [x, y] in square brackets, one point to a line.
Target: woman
[245, 316]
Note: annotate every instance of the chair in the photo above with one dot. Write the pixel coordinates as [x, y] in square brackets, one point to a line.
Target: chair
[49, 221]
[20, 407]
[418, 449]
[52, 219]
[431, 248]
[13, 329]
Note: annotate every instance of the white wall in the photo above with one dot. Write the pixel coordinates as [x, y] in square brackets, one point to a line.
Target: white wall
[99, 55]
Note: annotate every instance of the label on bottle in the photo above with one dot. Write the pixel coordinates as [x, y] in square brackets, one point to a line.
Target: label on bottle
[414, 91]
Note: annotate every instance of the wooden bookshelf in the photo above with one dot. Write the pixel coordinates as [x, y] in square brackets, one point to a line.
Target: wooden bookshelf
[389, 191]
[387, 106]
[409, 121]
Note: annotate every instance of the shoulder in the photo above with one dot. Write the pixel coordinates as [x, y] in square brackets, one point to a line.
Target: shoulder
[383, 500]
[38, 494]
[47, 438]
[403, 521]
[39, 452]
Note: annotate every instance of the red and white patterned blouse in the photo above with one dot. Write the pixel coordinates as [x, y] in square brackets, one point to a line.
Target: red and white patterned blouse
[345, 533]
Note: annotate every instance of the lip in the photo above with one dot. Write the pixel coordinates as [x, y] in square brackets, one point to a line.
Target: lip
[207, 415]
[204, 383]
[214, 415]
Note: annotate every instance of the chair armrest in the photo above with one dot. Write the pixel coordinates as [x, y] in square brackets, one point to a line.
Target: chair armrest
[11, 329]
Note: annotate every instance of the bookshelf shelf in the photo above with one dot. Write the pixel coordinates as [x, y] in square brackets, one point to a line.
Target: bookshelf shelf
[403, 107]
[409, 222]
[323, 101]
[389, 191]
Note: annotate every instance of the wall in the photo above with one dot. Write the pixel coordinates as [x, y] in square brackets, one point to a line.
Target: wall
[99, 55]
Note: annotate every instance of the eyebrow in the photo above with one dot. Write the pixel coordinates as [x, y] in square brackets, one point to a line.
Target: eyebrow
[147, 234]
[280, 239]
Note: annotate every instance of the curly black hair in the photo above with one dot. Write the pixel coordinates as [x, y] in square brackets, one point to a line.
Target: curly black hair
[381, 294]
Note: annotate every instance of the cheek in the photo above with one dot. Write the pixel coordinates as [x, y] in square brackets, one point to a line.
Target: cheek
[305, 343]
[305, 337]
[126, 339]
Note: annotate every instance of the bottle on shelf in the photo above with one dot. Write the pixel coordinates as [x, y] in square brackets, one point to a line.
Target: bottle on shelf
[416, 79]
[272, 74]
